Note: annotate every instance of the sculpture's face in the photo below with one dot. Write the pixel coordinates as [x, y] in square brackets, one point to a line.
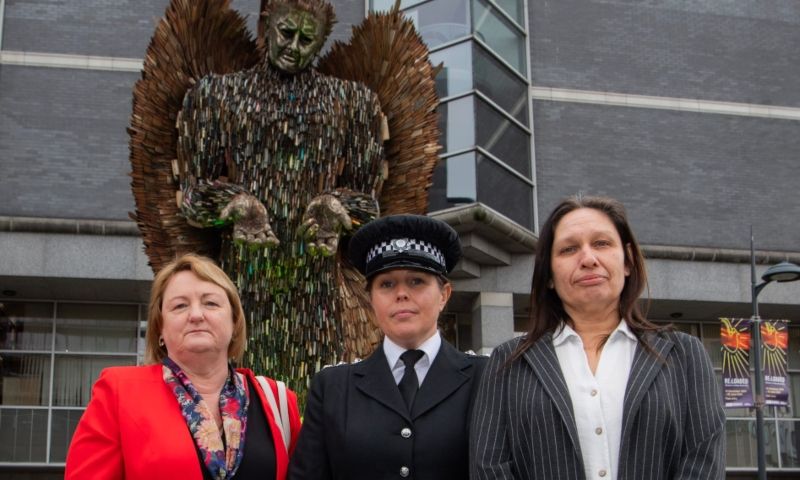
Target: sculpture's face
[295, 38]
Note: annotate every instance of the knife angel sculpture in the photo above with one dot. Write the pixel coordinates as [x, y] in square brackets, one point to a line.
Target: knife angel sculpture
[245, 151]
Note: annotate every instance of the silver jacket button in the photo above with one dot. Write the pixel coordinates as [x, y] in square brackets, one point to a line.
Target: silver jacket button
[405, 433]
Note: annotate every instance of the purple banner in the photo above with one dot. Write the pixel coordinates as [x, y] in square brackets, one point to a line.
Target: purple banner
[775, 342]
[735, 339]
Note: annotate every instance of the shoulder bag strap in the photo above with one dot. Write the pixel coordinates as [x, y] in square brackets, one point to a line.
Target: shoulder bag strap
[280, 420]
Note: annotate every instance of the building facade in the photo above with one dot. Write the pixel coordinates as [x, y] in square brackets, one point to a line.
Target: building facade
[688, 112]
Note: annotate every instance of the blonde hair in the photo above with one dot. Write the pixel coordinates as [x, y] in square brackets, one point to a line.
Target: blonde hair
[205, 269]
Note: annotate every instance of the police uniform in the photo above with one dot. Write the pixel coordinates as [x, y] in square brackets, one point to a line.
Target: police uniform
[357, 424]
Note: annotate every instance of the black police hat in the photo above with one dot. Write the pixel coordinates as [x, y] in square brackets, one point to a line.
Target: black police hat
[405, 241]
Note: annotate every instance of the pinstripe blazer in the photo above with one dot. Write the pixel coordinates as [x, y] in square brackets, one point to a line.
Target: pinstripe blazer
[673, 424]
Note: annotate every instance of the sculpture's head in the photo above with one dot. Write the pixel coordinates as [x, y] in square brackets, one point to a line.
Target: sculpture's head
[295, 32]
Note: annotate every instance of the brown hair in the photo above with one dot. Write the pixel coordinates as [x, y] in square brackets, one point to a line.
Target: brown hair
[546, 309]
[205, 269]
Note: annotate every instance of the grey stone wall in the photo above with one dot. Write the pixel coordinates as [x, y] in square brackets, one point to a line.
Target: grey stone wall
[713, 50]
[63, 146]
[686, 178]
[117, 28]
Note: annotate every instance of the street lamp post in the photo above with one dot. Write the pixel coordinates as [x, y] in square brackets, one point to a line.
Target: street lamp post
[782, 272]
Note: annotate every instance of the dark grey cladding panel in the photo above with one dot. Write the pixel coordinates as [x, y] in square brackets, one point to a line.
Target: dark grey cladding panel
[714, 50]
[686, 178]
[63, 146]
[116, 28]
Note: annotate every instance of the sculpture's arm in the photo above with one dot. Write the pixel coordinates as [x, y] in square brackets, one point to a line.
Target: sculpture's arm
[206, 197]
[354, 202]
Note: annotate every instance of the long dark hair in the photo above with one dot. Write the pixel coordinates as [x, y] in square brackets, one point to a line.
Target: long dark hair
[546, 309]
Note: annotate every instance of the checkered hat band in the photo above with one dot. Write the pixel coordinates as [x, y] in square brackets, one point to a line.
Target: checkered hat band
[401, 245]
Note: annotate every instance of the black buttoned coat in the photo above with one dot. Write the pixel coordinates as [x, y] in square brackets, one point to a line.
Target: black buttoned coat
[356, 425]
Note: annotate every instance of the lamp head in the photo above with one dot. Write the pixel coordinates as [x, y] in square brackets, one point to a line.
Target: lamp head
[782, 272]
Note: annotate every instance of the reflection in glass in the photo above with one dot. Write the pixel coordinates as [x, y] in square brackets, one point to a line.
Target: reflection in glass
[63, 426]
[793, 409]
[456, 74]
[741, 443]
[386, 5]
[690, 328]
[503, 138]
[461, 186]
[711, 341]
[25, 379]
[496, 186]
[441, 21]
[503, 38]
[96, 328]
[513, 8]
[497, 82]
[789, 432]
[26, 326]
[75, 375]
[457, 121]
[23, 435]
[793, 353]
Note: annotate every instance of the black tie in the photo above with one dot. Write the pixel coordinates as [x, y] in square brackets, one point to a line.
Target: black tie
[409, 384]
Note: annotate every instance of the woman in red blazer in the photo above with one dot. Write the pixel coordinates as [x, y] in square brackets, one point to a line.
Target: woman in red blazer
[188, 414]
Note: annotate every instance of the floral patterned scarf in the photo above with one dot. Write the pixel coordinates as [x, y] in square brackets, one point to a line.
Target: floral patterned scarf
[221, 458]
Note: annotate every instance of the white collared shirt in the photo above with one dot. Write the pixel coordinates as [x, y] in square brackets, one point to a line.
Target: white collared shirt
[393, 352]
[597, 400]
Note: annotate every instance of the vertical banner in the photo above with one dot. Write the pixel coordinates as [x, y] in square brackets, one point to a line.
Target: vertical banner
[775, 341]
[735, 339]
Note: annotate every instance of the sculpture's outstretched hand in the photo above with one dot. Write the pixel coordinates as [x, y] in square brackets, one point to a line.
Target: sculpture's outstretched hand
[324, 220]
[250, 221]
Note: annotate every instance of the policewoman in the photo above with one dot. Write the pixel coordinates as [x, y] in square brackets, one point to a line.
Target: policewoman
[403, 412]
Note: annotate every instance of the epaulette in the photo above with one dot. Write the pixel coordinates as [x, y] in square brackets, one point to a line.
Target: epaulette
[341, 363]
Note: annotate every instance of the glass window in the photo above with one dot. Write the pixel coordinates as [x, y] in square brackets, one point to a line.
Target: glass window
[690, 328]
[75, 375]
[64, 424]
[503, 138]
[793, 410]
[42, 378]
[25, 379]
[385, 5]
[713, 344]
[496, 81]
[96, 328]
[501, 36]
[26, 326]
[440, 21]
[461, 182]
[457, 124]
[741, 443]
[23, 435]
[496, 186]
[789, 433]
[513, 8]
[793, 353]
[456, 74]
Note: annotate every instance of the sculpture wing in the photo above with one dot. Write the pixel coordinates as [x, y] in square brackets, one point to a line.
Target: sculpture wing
[195, 38]
[387, 54]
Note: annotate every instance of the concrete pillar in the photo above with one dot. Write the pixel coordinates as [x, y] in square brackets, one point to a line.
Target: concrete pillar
[492, 320]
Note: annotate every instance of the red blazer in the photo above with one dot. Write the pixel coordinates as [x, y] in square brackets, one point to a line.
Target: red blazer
[133, 429]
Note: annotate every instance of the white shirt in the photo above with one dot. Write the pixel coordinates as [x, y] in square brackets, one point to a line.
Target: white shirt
[393, 351]
[597, 400]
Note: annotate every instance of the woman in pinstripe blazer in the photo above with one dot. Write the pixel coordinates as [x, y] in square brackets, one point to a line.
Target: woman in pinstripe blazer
[594, 390]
